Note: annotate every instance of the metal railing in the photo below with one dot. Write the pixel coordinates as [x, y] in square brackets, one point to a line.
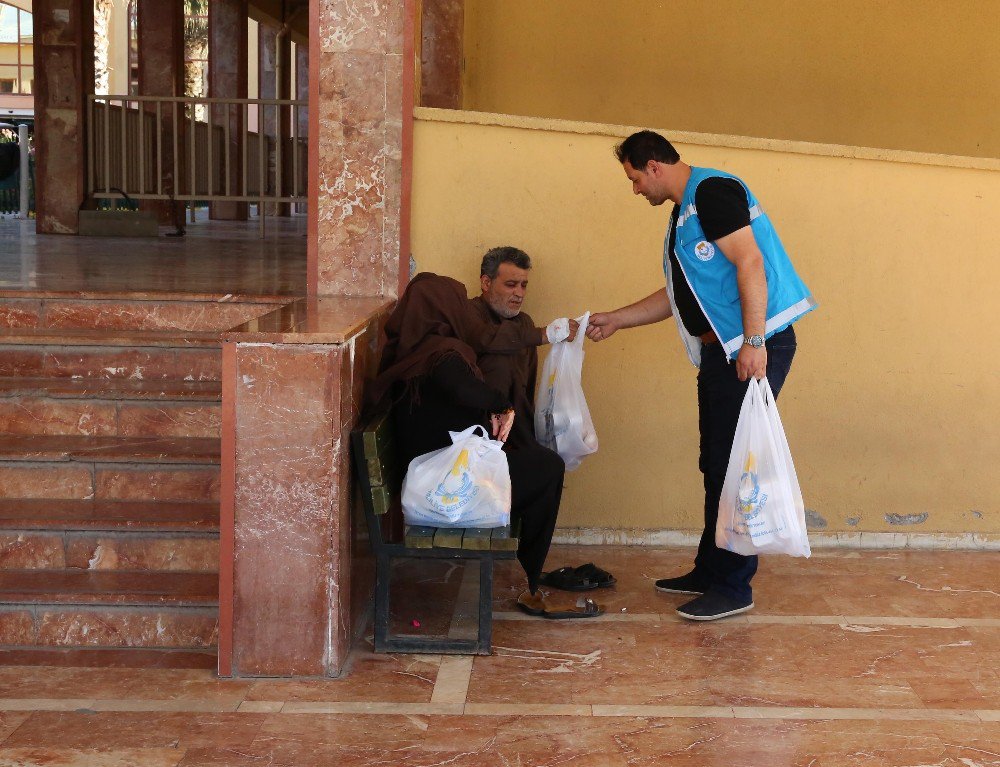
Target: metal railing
[196, 149]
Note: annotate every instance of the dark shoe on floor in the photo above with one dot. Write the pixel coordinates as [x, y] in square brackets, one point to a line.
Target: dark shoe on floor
[711, 607]
[583, 578]
[684, 584]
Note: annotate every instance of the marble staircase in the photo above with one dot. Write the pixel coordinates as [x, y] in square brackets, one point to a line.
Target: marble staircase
[109, 482]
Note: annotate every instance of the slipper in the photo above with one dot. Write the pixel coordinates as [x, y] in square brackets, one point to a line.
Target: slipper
[583, 578]
[588, 609]
[532, 604]
[592, 572]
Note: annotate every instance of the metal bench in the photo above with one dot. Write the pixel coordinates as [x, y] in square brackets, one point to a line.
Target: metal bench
[380, 479]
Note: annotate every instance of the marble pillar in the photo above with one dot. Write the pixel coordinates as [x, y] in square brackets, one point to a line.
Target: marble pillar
[64, 75]
[294, 555]
[160, 33]
[227, 78]
[357, 71]
[274, 82]
[442, 35]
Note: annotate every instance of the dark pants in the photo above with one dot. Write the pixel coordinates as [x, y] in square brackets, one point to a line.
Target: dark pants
[536, 485]
[720, 396]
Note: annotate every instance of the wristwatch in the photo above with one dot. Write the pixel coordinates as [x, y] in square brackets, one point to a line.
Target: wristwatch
[756, 342]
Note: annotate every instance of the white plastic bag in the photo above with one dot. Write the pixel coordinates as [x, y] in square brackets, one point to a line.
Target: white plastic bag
[466, 484]
[761, 509]
[562, 418]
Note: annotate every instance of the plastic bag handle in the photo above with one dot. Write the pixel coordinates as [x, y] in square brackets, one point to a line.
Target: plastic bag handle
[458, 436]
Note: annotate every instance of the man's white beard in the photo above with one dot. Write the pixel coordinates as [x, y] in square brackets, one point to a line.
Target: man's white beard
[501, 308]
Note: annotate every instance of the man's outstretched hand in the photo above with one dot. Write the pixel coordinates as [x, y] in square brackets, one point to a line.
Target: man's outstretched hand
[602, 325]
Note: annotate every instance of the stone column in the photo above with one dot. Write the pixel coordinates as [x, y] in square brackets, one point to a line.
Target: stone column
[64, 74]
[160, 33]
[302, 115]
[275, 82]
[227, 79]
[442, 24]
[357, 79]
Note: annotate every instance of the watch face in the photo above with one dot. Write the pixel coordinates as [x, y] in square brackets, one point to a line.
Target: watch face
[756, 341]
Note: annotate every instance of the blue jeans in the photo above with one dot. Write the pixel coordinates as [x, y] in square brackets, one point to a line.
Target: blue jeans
[720, 396]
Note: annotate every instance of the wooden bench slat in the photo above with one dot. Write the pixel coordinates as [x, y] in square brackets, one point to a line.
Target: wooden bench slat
[377, 436]
[502, 539]
[477, 538]
[448, 537]
[381, 500]
[419, 536]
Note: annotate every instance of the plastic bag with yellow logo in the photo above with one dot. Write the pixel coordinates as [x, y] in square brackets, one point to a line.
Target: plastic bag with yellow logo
[562, 418]
[466, 484]
[761, 509]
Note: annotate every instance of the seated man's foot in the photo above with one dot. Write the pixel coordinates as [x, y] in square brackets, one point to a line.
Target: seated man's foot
[712, 606]
[684, 584]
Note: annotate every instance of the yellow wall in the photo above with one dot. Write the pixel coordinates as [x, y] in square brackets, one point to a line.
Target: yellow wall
[893, 400]
[922, 75]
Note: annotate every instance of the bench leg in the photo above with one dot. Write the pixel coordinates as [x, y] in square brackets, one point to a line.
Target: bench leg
[485, 607]
[383, 575]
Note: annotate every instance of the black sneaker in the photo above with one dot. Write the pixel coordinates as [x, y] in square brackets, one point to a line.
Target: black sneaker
[710, 607]
[685, 584]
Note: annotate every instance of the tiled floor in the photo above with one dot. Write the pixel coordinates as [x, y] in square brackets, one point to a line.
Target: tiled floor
[215, 257]
[850, 658]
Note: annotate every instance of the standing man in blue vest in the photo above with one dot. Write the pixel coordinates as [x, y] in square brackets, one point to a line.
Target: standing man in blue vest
[734, 294]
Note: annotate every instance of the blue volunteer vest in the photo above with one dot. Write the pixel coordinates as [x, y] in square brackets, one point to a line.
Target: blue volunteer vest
[712, 277]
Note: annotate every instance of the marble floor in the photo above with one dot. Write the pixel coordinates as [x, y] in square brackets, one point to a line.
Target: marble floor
[886, 657]
[213, 258]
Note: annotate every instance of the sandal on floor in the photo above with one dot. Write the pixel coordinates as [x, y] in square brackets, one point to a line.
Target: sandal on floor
[532, 604]
[584, 608]
[592, 572]
[583, 578]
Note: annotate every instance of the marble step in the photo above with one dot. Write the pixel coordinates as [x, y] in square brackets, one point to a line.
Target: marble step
[64, 357]
[105, 588]
[109, 657]
[42, 415]
[132, 312]
[39, 514]
[69, 609]
[149, 552]
[110, 389]
[109, 468]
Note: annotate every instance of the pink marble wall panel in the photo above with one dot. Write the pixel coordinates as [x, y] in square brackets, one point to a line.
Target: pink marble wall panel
[128, 628]
[31, 551]
[133, 552]
[288, 448]
[43, 416]
[442, 25]
[48, 481]
[360, 103]
[190, 484]
[175, 420]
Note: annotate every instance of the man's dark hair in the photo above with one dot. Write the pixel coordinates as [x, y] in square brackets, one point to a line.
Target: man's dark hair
[505, 254]
[641, 147]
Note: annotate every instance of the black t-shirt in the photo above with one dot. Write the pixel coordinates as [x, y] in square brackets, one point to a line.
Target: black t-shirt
[723, 208]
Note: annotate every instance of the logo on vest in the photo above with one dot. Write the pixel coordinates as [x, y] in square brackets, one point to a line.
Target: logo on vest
[704, 250]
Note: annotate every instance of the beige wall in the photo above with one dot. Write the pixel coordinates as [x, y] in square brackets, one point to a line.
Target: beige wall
[893, 400]
[921, 75]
